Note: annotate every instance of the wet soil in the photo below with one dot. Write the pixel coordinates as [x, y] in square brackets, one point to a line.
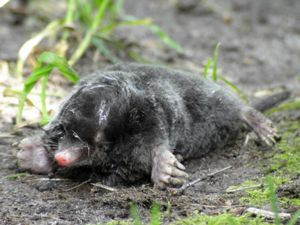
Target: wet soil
[260, 50]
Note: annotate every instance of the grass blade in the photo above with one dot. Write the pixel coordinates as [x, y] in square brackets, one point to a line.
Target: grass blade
[215, 64]
[70, 16]
[105, 51]
[47, 61]
[164, 37]
[60, 63]
[235, 88]
[29, 45]
[28, 85]
[85, 12]
[135, 214]
[36, 75]
[138, 57]
[155, 214]
[88, 37]
[45, 116]
[127, 21]
[295, 218]
[273, 198]
[69, 20]
[207, 68]
[115, 9]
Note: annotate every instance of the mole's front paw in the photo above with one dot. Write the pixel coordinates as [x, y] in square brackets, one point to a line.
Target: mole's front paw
[167, 170]
[33, 156]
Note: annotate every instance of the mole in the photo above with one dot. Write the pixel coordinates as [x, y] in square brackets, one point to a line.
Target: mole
[132, 122]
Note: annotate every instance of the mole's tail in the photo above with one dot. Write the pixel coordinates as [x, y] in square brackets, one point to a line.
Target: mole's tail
[271, 101]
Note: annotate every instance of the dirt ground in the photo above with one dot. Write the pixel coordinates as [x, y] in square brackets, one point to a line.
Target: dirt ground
[260, 50]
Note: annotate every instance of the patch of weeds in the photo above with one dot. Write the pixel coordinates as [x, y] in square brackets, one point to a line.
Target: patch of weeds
[283, 167]
[222, 219]
[155, 215]
[156, 218]
[258, 195]
[46, 63]
[266, 195]
[95, 23]
[226, 218]
[89, 24]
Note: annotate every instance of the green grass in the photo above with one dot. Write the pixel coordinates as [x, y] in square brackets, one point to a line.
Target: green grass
[216, 60]
[46, 63]
[211, 71]
[95, 22]
[221, 219]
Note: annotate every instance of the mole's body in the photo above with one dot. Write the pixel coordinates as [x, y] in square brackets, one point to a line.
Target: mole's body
[130, 121]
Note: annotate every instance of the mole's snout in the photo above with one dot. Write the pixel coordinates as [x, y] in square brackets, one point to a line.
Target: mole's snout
[71, 156]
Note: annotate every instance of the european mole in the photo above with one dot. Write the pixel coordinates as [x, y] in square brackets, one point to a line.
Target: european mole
[131, 120]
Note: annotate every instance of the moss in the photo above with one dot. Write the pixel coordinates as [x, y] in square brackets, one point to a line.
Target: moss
[16, 176]
[284, 166]
[221, 219]
[292, 202]
[292, 105]
[258, 195]
[286, 162]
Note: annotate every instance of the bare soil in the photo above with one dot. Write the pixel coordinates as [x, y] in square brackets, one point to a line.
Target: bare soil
[260, 50]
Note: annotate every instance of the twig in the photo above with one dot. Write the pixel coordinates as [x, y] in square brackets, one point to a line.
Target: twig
[6, 154]
[220, 206]
[6, 135]
[53, 179]
[244, 188]
[105, 187]
[268, 214]
[77, 186]
[187, 185]
[246, 140]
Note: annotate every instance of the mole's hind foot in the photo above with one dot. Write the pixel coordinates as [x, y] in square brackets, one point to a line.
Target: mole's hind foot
[261, 125]
[166, 169]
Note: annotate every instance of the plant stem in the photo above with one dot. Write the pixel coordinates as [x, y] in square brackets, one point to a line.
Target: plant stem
[45, 116]
[88, 37]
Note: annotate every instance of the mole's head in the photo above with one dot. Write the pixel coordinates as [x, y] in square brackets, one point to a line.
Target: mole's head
[79, 128]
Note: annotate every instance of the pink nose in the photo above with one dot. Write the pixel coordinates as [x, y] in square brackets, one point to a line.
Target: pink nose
[63, 159]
